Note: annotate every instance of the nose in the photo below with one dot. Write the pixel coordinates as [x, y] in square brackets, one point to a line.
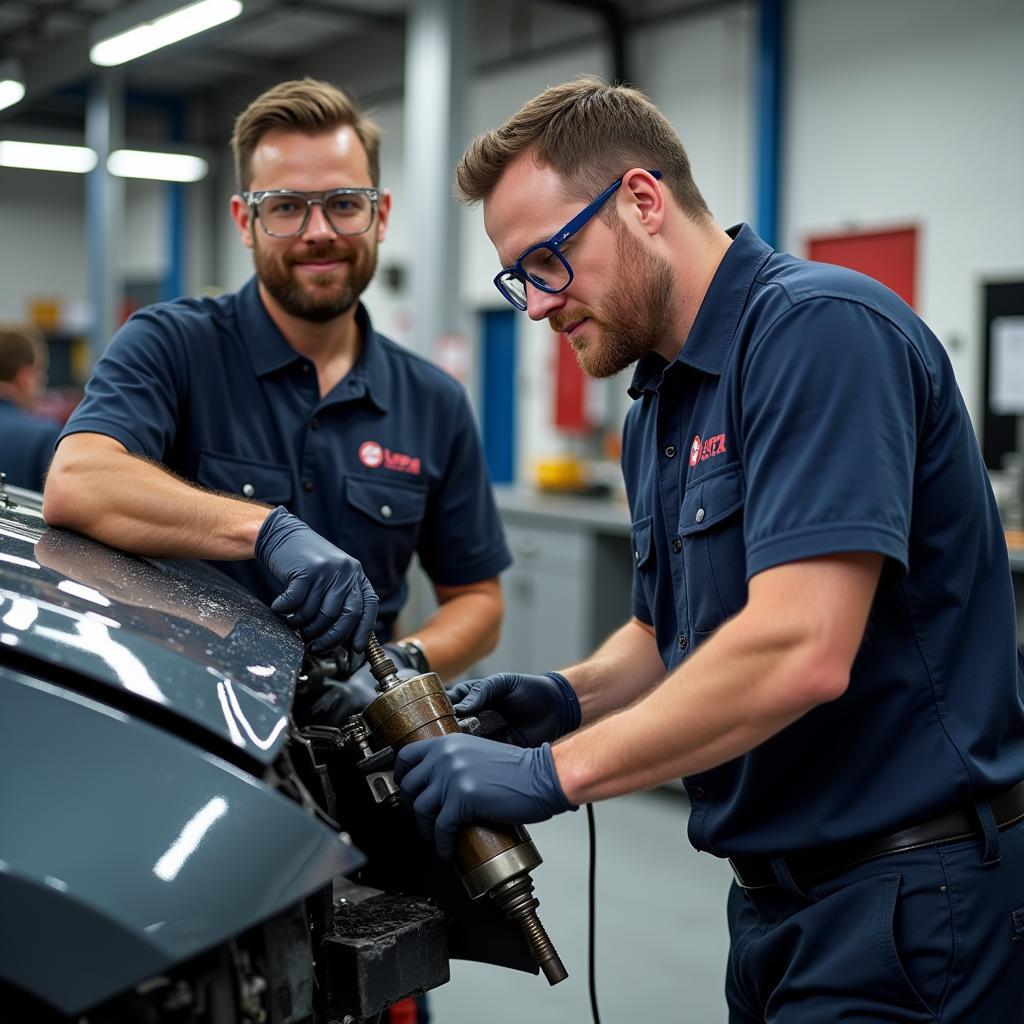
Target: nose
[317, 226]
[540, 305]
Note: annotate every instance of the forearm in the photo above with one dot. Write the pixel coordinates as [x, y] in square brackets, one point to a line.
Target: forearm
[97, 488]
[464, 628]
[625, 667]
[736, 691]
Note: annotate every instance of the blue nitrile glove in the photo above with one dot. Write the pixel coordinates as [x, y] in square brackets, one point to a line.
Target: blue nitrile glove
[537, 709]
[326, 597]
[338, 699]
[457, 778]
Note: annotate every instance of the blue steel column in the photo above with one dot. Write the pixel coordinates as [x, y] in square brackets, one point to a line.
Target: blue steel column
[438, 44]
[769, 117]
[174, 279]
[104, 207]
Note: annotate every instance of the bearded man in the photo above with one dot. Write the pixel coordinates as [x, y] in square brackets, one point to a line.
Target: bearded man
[823, 643]
[273, 431]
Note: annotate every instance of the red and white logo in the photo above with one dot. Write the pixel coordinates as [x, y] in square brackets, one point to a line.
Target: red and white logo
[700, 450]
[371, 454]
[374, 455]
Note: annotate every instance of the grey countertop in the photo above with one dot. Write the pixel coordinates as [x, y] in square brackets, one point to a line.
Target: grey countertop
[604, 515]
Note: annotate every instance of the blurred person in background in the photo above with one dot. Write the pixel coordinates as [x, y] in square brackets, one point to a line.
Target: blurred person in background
[26, 440]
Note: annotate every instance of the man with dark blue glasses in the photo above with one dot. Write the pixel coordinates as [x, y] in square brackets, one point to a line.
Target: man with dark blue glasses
[544, 265]
[274, 431]
[823, 641]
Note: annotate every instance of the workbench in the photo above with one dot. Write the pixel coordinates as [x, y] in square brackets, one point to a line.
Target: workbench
[570, 583]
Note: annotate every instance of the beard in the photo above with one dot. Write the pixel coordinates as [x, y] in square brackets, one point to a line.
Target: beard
[322, 297]
[641, 311]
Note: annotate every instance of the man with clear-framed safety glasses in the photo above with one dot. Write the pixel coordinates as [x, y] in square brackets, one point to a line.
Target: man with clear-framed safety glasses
[274, 431]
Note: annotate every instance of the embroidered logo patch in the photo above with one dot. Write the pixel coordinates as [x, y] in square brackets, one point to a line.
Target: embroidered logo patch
[374, 455]
[706, 449]
[371, 454]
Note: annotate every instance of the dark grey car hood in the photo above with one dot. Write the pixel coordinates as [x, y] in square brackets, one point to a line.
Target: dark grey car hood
[178, 634]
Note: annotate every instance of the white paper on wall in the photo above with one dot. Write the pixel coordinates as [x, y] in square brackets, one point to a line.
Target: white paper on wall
[1006, 384]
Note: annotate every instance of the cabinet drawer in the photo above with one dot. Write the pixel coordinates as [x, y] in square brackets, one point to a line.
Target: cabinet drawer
[549, 550]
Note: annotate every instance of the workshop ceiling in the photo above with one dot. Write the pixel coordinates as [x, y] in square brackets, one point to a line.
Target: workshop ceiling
[271, 40]
[51, 39]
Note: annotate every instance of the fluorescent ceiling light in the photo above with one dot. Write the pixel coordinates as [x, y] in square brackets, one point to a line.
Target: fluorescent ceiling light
[12, 83]
[152, 35]
[136, 163]
[11, 92]
[38, 156]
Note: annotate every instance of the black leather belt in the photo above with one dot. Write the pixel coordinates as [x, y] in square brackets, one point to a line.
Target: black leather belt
[757, 873]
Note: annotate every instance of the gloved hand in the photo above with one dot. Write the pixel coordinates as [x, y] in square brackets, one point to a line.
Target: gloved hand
[537, 709]
[335, 700]
[457, 778]
[326, 597]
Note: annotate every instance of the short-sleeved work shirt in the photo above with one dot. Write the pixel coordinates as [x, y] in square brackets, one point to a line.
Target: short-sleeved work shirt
[811, 412]
[388, 463]
[26, 445]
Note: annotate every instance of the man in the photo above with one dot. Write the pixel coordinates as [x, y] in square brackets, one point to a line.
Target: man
[26, 440]
[819, 569]
[205, 420]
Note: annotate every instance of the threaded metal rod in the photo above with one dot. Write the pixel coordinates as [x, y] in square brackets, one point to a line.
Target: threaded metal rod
[519, 904]
[381, 666]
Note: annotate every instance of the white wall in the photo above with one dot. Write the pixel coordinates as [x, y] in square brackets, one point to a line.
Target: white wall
[42, 239]
[911, 112]
[896, 112]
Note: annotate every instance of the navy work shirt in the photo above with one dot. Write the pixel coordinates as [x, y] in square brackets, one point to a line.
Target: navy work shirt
[811, 412]
[26, 445]
[388, 463]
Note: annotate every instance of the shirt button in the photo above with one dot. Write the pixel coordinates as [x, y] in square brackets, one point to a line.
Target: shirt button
[315, 423]
[636, 557]
[683, 642]
[670, 451]
[305, 367]
[677, 545]
[385, 511]
[700, 515]
[699, 794]
[307, 485]
[248, 490]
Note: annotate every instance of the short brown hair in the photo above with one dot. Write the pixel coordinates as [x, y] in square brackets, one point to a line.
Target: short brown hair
[590, 133]
[304, 105]
[20, 346]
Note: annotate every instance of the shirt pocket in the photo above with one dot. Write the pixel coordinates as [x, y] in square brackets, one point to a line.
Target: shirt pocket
[268, 482]
[714, 554]
[387, 503]
[642, 533]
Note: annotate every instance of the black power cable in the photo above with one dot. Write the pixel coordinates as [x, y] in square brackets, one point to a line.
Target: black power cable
[592, 928]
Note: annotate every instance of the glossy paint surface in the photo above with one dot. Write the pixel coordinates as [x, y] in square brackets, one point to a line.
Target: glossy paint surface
[125, 849]
[178, 634]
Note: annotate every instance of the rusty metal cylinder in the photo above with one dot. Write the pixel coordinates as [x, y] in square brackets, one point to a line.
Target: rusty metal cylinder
[491, 859]
[418, 709]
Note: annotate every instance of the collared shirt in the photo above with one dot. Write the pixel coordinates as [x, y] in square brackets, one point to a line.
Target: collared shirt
[26, 445]
[387, 464]
[811, 412]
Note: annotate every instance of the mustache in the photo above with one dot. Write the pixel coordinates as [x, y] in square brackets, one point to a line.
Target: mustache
[560, 321]
[319, 255]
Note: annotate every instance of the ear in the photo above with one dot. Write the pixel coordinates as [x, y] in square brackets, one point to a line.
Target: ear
[642, 199]
[241, 214]
[383, 213]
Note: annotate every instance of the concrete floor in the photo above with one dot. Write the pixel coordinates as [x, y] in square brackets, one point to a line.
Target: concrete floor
[661, 933]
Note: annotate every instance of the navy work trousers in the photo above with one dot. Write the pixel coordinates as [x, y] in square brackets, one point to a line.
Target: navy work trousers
[929, 935]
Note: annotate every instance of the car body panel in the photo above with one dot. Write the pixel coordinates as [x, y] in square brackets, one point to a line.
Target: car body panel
[180, 635]
[126, 849]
